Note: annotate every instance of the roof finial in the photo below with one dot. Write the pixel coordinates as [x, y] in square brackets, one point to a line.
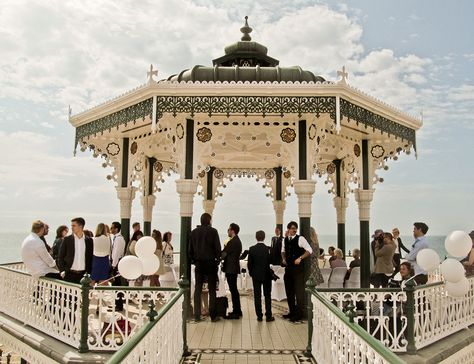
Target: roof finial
[246, 30]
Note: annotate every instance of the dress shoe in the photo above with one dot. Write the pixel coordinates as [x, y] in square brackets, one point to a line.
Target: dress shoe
[259, 319]
[287, 316]
[270, 319]
[197, 319]
[236, 313]
[216, 319]
[232, 316]
[296, 319]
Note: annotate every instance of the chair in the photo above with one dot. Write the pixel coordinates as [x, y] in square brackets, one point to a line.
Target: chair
[336, 280]
[326, 272]
[278, 286]
[354, 278]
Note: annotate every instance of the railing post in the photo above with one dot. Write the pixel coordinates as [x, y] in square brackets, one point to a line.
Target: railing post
[151, 314]
[184, 284]
[85, 287]
[410, 311]
[310, 284]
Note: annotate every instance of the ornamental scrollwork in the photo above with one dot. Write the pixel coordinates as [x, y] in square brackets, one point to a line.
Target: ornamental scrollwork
[269, 174]
[331, 168]
[357, 150]
[113, 148]
[377, 151]
[287, 174]
[180, 131]
[219, 173]
[134, 148]
[288, 135]
[157, 166]
[312, 132]
[204, 134]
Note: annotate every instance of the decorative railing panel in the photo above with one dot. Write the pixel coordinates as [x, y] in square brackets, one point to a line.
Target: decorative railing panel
[438, 315]
[109, 329]
[380, 313]
[337, 340]
[47, 305]
[161, 341]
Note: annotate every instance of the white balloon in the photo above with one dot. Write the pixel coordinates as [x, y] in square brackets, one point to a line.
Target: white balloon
[458, 244]
[150, 264]
[452, 270]
[458, 289]
[145, 247]
[427, 259]
[130, 267]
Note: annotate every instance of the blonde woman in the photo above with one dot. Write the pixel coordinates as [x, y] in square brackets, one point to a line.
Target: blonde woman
[101, 252]
[315, 272]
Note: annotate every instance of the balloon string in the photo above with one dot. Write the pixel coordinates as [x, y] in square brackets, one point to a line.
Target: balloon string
[106, 281]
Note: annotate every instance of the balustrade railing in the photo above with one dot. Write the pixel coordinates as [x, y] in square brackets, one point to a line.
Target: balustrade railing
[338, 340]
[379, 311]
[158, 341]
[85, 317]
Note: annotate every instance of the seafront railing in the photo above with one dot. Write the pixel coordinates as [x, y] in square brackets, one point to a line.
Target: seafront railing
[87, 318]
[409, 319]
[338, 339]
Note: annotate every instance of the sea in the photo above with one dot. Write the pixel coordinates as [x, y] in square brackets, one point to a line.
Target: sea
[10, 244]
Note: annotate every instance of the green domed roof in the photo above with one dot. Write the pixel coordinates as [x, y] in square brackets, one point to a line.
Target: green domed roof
[246, 60]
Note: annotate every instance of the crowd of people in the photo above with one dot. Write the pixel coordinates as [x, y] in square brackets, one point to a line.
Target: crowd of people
[73, 255]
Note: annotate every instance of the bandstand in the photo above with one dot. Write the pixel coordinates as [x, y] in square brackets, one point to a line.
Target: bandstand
[246, 116]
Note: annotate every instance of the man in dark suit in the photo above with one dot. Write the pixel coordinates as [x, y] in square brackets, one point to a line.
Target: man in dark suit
[231, 268]
[75, 254]
[259, 269]
[204, 253]
[275, 250]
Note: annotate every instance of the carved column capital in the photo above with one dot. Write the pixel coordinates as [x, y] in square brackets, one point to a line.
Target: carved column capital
[126, 196]
[186, 189]
[304, 189]
[279, 206]
[148, 202]
[341, 203]
[208, 206]
[364, 199]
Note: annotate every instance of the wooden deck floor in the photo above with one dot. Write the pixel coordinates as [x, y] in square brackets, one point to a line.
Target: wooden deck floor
[247, 340]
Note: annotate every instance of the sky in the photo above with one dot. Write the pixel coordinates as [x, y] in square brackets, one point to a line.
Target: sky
[415, 55]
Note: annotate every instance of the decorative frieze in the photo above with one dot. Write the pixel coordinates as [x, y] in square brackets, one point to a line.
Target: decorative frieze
[304, 189]
[364, 199]
[126, 196]
[186, 189]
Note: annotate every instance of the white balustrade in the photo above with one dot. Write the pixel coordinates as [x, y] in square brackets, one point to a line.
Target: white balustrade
[438, 315]
[379, 313]
[164, 342]
[109, 329]
[52, 307]
[335, 340]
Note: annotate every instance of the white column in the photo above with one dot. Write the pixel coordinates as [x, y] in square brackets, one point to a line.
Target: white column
[148, 202]
[304, 189]
[208, 206]
[279, 206]
[364, 199]
[186, 189]
[341, 203]
[126, 196]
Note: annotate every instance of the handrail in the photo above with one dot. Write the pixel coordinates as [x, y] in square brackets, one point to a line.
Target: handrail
[135, 340]
[375, 344]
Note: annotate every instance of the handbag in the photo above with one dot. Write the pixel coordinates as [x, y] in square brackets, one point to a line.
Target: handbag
[168, 258]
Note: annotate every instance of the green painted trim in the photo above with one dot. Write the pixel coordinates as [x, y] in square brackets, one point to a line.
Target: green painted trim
[341, 237]
[125, 230]
[147, 228]
[365, 253]
[188, 167]
[310, 286]
[302, 151]
[125, 151]
[245, 105]
[278, 183]
[410, 314]
[209, 189]
[133, 288]
[365, 164]
[127, 348]
[151, 163]
[85, 288]
[359, 331]
[184, 246]
[337, 162]
[364, 290]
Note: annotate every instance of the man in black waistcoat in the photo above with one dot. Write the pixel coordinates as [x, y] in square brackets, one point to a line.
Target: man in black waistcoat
[275, 249]
[204, 252]
[259, 269]
[231, 268]
[295, 248]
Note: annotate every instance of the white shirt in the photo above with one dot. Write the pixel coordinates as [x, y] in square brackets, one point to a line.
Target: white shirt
[37, 260]
[101, 246]
[79, 262]
[302, 243]
[118, 249]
